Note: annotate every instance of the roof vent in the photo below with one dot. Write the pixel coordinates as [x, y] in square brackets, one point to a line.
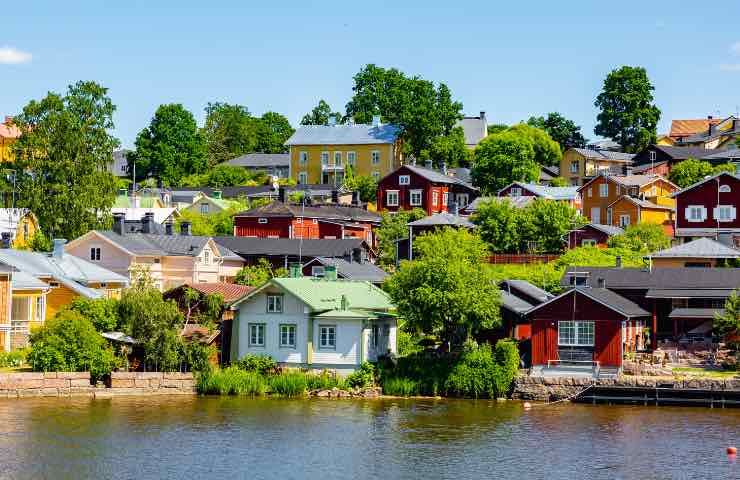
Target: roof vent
[601, 282]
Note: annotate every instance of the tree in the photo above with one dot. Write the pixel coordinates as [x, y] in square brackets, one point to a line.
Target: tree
[366, 185]
[543, 225]
[496, 128]
[503, 158]
[320, 115]
[627, 113]
[102, 312]
[546, 150]
[230, 131]
[559, 182]
[565, 132]
[394, 227]
[62, 159]
[256, 275]
[690, 171]
[273, 130]
[727, 324]
[498, 225]
[449, 149]
[448, 289]
[70, 343]
[201, 308]
[642, 238]
[422, 110]
[171, 147]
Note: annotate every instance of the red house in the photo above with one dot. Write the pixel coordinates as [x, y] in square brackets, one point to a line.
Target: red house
[709, 209]
[584, 327]
[282, 220]
[411, 186]
[594, 234]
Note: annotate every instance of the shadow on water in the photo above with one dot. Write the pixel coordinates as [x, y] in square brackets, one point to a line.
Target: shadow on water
[228, 437]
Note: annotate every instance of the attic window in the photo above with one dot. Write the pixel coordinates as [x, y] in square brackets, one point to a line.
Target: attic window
[54, 284]
[262, 220]
[724, 189]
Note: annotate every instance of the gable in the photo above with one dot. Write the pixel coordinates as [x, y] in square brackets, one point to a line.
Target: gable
[573, 305]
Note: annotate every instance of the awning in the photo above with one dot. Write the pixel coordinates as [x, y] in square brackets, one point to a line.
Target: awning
[688, 293]
[695, 312]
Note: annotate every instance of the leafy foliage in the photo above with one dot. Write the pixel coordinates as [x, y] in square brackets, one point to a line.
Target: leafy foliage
[449, 149]
[13, 359]
[62, 159]
[224, 175]
[362, 377]
[102, 312]
[365, 184]
[229, 132]
[559, 182]
[503, 158]
[216, 224]
[39, 242]
[320, 115]
[256, 275]
[273, 130]
[642, 238]
[565, 132]
[728, 323]
[691, 171]
[447, 290]
[627, 113]
[393, 227]
[546, 150]
[262, 364]
[498, 225]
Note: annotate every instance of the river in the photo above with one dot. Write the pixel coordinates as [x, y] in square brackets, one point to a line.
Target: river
[234, 438]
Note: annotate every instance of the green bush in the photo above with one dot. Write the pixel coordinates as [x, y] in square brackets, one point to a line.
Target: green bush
[231, 381]
[102, 312]
[262, 364]
[69, 343]
[474, 375]
[407, 343]
[197, 355]
[324, 381]
[506, 356]
[291, 384]
[363, 376]
[401, 387]
[13, 359]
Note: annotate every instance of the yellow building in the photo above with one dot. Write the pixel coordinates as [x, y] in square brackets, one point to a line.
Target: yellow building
[17, 227]
[711, 134]
[322, 153]
[28, 308]
[8, 135]
[579, 165]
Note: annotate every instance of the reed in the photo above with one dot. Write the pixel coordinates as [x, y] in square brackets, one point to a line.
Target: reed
[290, 384]
[231, 381]
[401, 387]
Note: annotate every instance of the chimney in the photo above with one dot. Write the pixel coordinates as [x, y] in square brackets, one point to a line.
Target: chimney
[281, 194]
[335, 197]
[119, 223]
[428, 164]
[330, 272]
[376, 120]
[601, 282]
[356, 198]
[147, 223]
[444, 168]
[168, 228]
[58, 251]
[618, 261]
[6, 239]
[185, 229]
[332, 121]
[483, 118]
[295, 270]
[216, 194]
[357, 256]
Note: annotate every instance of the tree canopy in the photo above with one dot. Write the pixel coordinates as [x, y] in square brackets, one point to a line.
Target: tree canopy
[224, 175]
[171, 147]
[642, 238]
[627, 114]
[273, 130]
[727, 324]
[690, 171]
[503, 158]
[423, 111]
[366, 185]
[448, 290]
[256, 275]
[393, 227]
[62, 160]
[229, 132]
[449, 149]
[320, 115]
[565, 132]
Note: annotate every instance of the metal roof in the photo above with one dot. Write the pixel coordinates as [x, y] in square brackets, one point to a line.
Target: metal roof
[346, 134]
[605, 154]
[607, 229]
[442, 219]
[658, 278]
[528, 289]
[259, 160]
[437, 176]
[246, 246]
[148, 244]
[514, 303]
[333, 212]
[609, 299]
[700, 248]
[548, 192]
[695, 312]
[365, 271]
[689, 293]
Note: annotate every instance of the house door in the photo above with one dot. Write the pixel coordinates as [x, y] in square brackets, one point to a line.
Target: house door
[596, 215]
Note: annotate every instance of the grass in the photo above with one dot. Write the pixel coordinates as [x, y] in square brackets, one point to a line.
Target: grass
[232, 381]
[704, 372]
[291, 384]
[401, 387]
[324, 381]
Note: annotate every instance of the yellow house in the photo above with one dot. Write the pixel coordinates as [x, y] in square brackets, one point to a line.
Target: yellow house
[28, 309]
[17, 227]
[321, 153]
[715, 134]
[579, 165]
[8, 135]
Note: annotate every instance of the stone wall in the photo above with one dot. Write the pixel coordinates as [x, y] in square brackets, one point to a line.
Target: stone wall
[551, 389]
[64, 384]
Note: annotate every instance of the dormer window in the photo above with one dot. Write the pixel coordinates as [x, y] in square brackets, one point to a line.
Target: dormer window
[724, 189]
[404, 179]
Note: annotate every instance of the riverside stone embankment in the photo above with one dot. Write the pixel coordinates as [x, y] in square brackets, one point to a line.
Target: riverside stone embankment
[67, 384]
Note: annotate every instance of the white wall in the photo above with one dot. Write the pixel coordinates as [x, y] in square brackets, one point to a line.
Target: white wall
[348, 342]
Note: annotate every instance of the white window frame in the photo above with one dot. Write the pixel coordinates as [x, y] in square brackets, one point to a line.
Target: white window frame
[257, 333]
[412, 198]
[574, 166]
[206, 257]
[40, 308]
[317, 271]
[95, 253]
[603, 190]
[327, 337]
[351, 159]
[375, 157]
[404, 179]
[303, 177]
[325, 158]
[515, 192]
[262, 220]
[205, 208]
[435, 198]
[624, 221]
[274, 303]
[288, 333]
[724, 189]
[725, 213]
[691, 209]
[580, 333]
[653, 156]
[337, 159]
[303, 158]
[445, 197]
[391, 198]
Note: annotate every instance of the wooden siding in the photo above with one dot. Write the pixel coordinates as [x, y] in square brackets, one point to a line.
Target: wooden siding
[390, 159]
[58, 298]
[706, 196]
[427, 187]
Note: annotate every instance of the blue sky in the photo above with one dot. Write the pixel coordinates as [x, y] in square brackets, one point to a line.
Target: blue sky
[511, 59]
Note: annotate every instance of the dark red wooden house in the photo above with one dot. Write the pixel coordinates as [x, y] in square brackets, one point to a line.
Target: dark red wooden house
[593, 234]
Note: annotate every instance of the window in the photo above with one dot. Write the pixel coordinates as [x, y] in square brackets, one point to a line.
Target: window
[609, 215]
[39, 314]
[462, 200]
[590, 192]
[516, 192]
[324, 158]
[20, 313]
[256, 334]
[579, 280]
[376, 176]
[696, 213]
[375, 157]
[435, 198]
[204, 207]
[580, 334]
[391, 198]
[445, 196]
[303, 158]
[404, 179]
[604, 190]
[95, 254]
[574, 166]
[206, 257]
[287, 336]
[317, 271]
[724, 189]
[274, 304]
[724, 213]
[303, 177]
[624, 221]
[351, 159]
[328, 336]
[588, 242]
[262, 220]
[26, 233]
[338, 159]
[415, 198]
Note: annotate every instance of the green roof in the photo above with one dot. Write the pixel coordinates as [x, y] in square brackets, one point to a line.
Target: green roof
[123, 201]
[321, 294]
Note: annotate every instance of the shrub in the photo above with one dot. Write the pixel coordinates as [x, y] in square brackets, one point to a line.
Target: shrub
[362, 377]
[291, 384]
[407, 343]
[102, 312]
[401, 387]
[262, 364]
[197, 355]
[231, 381]
[506, 356]
[16, 358]
[324, 381]
[69, 342]
[474, 374]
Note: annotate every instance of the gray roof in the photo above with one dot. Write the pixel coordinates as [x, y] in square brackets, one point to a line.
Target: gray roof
[365, 271]
[646, 166]
[606, 297]
[643, 203]
[437, 176]
[659, 278]
[462, 174]
[551, 193]
[326, 212]
[605, 145]
[260, 160]
[605, 154]
[608, 229]
[442, 219]
[246, 246]
[731, 154]
[26, 281]
[528, 289]
[147, 244]
[699, 248]
[347, 134]
[689, 293]
[475, 129]
[514, 303]
[695, 312]
[682, 153]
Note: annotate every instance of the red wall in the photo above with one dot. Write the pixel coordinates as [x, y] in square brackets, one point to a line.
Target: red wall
[587, 233]
[250, 227]
[418, 182]
[706, 195]
[507, 191]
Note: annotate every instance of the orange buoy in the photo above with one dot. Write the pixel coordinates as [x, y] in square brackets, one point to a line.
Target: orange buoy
[527, 405]
[731, 451]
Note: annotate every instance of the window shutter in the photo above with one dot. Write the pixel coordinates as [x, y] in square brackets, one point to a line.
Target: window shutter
[703, 213]
[687, 213]
[733, 213]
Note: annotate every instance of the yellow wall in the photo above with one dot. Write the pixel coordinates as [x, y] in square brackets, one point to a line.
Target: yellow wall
[6, 153]
[656, 192]
[661, 217]
[642, 215]
[58, 298]
[33, 295]
[27, 228]
[587, 167]
[681, 262]
[390, 159]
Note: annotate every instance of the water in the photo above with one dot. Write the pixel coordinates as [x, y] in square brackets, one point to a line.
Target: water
[231, 438]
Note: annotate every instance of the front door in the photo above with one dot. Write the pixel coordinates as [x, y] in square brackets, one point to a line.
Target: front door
[596, 215]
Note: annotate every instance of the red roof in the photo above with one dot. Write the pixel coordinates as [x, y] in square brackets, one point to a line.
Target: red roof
[684, 128]
[230, 291]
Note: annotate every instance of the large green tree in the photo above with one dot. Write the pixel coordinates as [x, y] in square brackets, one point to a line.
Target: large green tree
[498, 225]
[627, 113]
[320, 115]
[171, 147]
[273, 130]
[423, 111]
[230, 131]
[62, 160]
[690, 171]
[449, 149]
[503, 158]
[393, 226]
[642, 238]
[564, 131]
[727, 324]
[546, 150]
[448, 290]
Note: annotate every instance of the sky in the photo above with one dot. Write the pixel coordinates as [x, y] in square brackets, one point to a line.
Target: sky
[509, 59]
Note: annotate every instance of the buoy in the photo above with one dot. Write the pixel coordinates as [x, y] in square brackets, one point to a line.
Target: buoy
[528, 405]
[731, 451]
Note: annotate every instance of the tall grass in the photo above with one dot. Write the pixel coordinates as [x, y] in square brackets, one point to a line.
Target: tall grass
[292, 384]
[324, 381]
[401, 387]
[231, 381]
